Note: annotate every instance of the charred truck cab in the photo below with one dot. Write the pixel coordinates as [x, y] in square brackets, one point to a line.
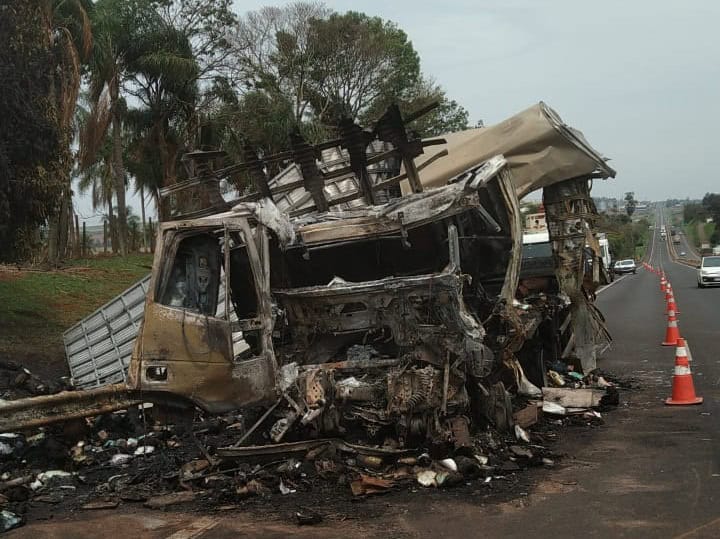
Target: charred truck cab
[367, 318]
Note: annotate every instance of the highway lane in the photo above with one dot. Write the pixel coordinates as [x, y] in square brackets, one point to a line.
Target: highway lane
[691, 252]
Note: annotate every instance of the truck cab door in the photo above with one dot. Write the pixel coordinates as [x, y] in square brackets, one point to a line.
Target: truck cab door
[185, 348]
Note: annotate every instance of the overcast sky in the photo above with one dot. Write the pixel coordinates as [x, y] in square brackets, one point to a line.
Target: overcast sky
[641, 78]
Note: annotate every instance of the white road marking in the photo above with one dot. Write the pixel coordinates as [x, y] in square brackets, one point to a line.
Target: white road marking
[652, 244]
[616, 281]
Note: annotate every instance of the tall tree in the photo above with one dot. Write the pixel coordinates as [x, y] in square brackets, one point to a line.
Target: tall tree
[43, 46]
[117, 24]
[97, 179]
[71, 25]
[165, 85]
[360, 61]
[630, 203]
[190, 51]
[711, 203]
[448, 117]
[304, 66]
[275, 54]
[206, 25]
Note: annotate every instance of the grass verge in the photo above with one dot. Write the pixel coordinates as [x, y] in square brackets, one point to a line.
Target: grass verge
[37, 306]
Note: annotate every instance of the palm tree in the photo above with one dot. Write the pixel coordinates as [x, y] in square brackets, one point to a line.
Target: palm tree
[99, 181]
[164, 82]
[146, 170]
[112, 22]
[138, 53]
[96, 177]
[134, 230]
[70, 25]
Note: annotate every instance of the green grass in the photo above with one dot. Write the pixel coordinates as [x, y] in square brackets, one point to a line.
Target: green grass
[691, 233]
[709, 230]
[37, 306]
[691, 230]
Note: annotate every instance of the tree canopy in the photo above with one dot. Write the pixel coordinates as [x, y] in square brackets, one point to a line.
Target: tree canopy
[630, 203]
[161, 77]
[326, 65]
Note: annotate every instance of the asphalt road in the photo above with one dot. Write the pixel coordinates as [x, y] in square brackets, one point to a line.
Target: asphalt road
[651, 471]
[690, 251]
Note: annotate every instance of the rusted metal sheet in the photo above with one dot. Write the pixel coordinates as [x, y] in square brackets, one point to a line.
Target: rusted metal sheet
[38, 411]
[540, 149]
[98, 349]
[570, 215]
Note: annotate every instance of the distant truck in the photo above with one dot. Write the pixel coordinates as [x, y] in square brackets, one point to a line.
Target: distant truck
[605, 251]
[716, 250]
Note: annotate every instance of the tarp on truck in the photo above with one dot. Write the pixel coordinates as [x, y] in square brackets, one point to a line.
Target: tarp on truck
[539, 147]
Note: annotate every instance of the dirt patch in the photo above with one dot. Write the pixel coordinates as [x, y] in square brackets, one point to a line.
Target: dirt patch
[555, 486]
[48, 364]
[9, 276]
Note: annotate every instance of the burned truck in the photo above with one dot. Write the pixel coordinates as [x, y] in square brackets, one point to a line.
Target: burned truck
[371, 304]
[366, 318]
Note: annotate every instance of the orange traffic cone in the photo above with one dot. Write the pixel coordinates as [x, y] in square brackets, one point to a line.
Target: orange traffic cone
[663, 284]
[670, 304]
[683, 389]
[672, 334]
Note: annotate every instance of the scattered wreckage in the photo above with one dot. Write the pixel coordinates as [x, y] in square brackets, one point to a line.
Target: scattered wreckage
[375, 297]
[115, 460]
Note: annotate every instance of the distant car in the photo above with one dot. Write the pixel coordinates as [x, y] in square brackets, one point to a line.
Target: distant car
[708, 273]
[625, 266]
[683, 253]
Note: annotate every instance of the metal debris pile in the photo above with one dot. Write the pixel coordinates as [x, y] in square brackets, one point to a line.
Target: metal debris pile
[142, 456]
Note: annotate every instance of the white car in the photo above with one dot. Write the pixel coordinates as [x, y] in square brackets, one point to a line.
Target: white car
[625, 266]
[708, 273]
